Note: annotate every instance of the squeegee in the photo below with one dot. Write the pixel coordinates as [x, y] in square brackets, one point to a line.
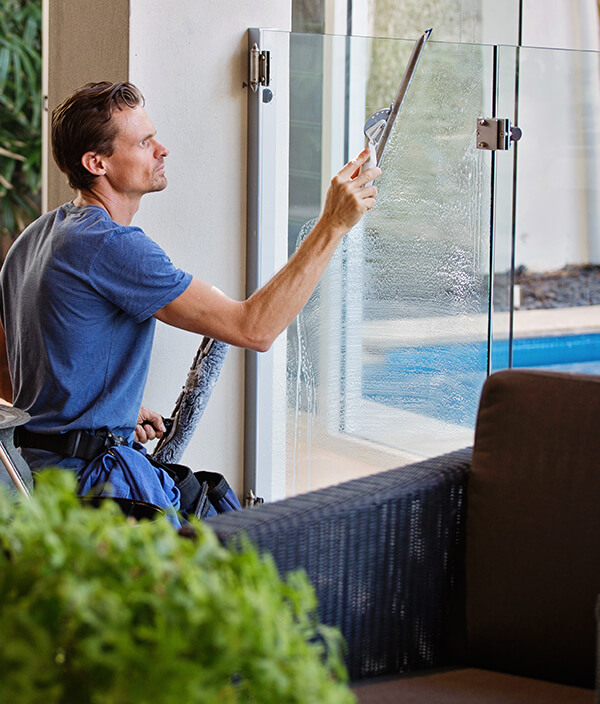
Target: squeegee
[192, 400]
[378, 127]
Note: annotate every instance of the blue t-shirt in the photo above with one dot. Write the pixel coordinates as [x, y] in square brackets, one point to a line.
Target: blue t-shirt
[78, 292]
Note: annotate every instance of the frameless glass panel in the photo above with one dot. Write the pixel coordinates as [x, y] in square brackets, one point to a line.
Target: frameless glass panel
[557, 252]
[386, 361]
[502, 263]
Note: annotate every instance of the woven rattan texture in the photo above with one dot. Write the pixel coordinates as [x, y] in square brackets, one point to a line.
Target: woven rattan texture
[383, 552]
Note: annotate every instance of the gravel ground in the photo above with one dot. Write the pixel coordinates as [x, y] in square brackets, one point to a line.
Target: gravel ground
[567, 287]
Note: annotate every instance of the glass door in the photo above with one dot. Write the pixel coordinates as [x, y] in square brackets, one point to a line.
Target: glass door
[386, 361]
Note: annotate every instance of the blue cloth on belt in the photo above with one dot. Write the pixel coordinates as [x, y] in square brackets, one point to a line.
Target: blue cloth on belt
[124, 472]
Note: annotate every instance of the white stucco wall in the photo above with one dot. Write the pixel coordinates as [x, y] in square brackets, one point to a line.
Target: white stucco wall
[558, 219]
[561, 25]
[189, 59]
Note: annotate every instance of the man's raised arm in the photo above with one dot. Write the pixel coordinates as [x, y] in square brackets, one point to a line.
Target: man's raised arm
[257, 321]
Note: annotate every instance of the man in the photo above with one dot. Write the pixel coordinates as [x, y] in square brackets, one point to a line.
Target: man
[81, 289]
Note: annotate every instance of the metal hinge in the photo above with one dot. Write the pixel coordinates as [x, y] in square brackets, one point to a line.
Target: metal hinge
[252, 500]
[259, 68]
[496, 133]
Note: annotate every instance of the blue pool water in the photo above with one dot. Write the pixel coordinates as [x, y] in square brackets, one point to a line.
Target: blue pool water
[444, 381]
[566, 352]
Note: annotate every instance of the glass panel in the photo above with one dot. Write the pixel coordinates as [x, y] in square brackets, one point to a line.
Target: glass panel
[557, 254]
[502, 261]
[386, 362]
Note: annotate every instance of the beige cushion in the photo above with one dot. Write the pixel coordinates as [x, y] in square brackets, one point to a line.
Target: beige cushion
[468, 686]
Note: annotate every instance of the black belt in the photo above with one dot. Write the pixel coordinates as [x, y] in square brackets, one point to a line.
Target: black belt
[74, 443]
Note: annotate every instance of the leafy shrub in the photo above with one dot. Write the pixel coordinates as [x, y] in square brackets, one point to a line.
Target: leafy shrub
[20, 114]
[97, 608]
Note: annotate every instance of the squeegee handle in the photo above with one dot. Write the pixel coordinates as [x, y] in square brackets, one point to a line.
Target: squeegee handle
[371, 161]
[411, 67]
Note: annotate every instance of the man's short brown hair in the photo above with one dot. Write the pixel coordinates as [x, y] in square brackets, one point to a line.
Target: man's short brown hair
[82, 123]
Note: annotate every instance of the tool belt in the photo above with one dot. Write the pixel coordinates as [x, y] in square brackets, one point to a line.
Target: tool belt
[74, 443]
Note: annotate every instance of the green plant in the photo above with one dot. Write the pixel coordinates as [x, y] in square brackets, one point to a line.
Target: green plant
[20, 114]
[95, 608]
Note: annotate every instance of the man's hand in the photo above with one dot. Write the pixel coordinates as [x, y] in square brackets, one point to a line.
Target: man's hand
[150, 425]
[349, 197]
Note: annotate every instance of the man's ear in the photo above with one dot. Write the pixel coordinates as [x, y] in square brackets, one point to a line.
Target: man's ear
[94, 163]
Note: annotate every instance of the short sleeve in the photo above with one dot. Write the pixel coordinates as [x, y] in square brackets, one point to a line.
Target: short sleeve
[135, 274]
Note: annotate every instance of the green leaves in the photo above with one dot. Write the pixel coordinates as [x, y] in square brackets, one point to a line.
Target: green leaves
[20, 114]
[97, 608]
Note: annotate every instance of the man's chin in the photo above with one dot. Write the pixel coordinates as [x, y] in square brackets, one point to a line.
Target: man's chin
[159, 185]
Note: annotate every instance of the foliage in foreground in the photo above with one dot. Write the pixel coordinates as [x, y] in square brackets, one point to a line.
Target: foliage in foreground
[97, 608]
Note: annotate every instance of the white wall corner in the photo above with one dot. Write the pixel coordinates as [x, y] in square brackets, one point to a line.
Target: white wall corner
[189, 60]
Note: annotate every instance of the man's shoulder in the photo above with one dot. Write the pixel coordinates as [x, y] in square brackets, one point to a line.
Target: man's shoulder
[43, 222]
[77, 236]
[69, 219]
[86, 217]
[91, 228]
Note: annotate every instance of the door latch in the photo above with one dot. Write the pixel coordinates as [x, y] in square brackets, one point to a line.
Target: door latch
[496, 133]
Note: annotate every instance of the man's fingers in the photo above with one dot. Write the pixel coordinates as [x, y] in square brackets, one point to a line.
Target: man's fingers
[146, 431]
[368, 201]
[140, 434]
[369, 192]
[367, 176]
[154, 429]
[353, 167]
[157, 424]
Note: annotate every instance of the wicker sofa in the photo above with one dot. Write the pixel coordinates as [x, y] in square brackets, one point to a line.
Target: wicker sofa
[470, 577]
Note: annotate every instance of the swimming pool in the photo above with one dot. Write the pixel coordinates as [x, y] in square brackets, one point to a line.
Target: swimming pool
[567, 352]
[444, 381]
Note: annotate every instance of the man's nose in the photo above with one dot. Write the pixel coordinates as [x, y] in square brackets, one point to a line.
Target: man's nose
[161, 150]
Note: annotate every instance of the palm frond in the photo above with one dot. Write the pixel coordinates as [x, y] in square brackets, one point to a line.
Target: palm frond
[11, 155]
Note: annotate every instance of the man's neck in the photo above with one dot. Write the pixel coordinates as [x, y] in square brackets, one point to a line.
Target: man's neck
[120, 210]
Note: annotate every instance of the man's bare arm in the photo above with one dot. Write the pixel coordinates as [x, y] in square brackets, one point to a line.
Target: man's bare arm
[256, 322]
[6, 391]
